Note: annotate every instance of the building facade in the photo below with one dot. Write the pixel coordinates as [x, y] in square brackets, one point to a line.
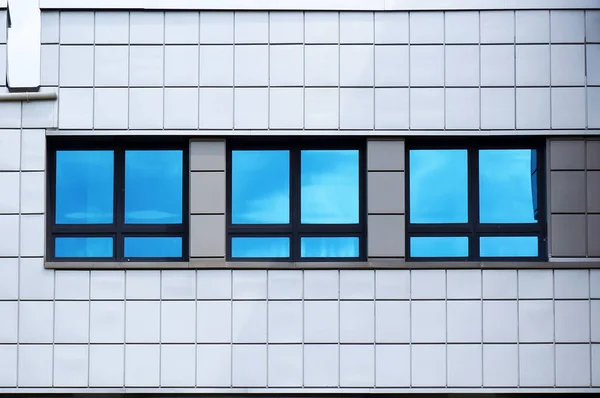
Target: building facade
[296, 197]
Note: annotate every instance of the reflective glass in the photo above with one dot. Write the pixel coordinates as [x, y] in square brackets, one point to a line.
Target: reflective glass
[508, 246]
[329, 184]
[153, 187]
[153, 246]
[260, 187]
[260, 247]
[439, 246]
[84, 187]
[507, 186]
[329, 247]
[438, 186]
[79, 247]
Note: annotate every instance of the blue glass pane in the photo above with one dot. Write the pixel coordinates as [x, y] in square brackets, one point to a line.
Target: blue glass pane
[438, 186]
[442, 246]
[508, 246]
[84, 187]
[153, 247]
[507, 186]
[329, 182]
[153, 187]
[260, 247]
[329, 247]
[83, 247]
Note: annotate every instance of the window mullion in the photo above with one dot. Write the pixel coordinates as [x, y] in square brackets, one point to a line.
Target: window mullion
[119, 204]
[295, 203]
[473, 199]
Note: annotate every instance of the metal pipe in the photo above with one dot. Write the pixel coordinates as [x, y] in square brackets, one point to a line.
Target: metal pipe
[28, 96]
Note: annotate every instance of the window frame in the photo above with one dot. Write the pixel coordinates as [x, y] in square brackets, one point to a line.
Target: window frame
[473, 229]
[295, 230]
[118, 230]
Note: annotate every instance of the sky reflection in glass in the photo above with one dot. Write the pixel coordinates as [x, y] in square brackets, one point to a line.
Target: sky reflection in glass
[329, 247]
[153, 246]
[96, 247]
[260, 247]
[153, 187]
[84, 187]
[438, 186]
[506, 194]
[508, 246]
[442, 246]
[329, 187]
[260, 187]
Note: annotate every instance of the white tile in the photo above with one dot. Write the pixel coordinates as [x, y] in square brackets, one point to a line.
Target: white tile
[533, 65]
[10, 149]
[216, 108]
[76, 27]
[35, 322]
[357, 366]
[213, 367]
[567, 26]
[143, 284]
[249, 365]
[249, 284]
[32, 192]
[111, 27]
[178, 322]
[321, 324]
[392, 321]
[70, 366]
[216, 27]
[532, 26]
[536, 321]
[428, 321]
[285, 284]
[461, 27]
[426, 65]
[142, 322]
[214, 284]
[321, 108]
[9, 278]
[572, 321]
[10, 114]
[592, 57]
[142, 365]
[428, 365]
[392, 284]
[428, 284]
[35, 366]
[594, 283]
[321, 284]
[391, 108]
[9, 200]
[595, 364]
[427, 27]
[535, 284]
[464, 321]
[533, 108]
[111, 108]
[497, 65]
[8, 365]
[178, 365]
[391, 65]
[286, 27]
[33, 150]
[536, 364]
[251, 108]
[9, 244]
[72, 285]
[286, 66]
[35, 282]
[592, 17]
[71, 322]
[249, 321]
[392, 365]
[32, 227]
[356, 321]
[497, 26]
[107, 285]
[285, 365]
[573, 365]
[321, 27]
[593, 103]
[462, 65]
[251, 27]
[567, 65]
[356, 108]
[595, 320]
[568, 107]
[571, 283]
[463, 284]
[49, 65]
[76, 108]
[146, 27]
[107, 322]
[497, 108]
[4, 65]
[356, 27]
[357, 284]
[181, 65]
[321, 365]
[500, 321]
[356, 65]
[427, 108]
[10, 312]
[40, 114]
[146, 108]
[146, 65]
[181, 108]
[391, 27]
[500, 365]
[50, 26]
[462, 108]
[76, 66]
[285, 322]
[464, 365]
[181, 27]
[213, 321]
[216, 65]
[321, 65]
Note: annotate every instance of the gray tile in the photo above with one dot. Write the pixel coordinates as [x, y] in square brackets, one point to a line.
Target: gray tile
[567, 155]
[593, 155]
[385, 155]
[593, 191]
[207, 236]
[567, 235]
[385, 192]
[207, 192]
[207, 155]
[593, 235]
[386, 236]
[567, 191]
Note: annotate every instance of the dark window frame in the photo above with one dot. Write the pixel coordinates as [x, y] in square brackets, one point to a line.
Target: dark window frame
[295, 229]
[473, 229]
[118, 230]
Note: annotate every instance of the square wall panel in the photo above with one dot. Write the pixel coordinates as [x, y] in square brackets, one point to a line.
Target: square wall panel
[249, 284]
[216, 65]
[178, 365]
[463, 284]
[497, 108]
[49, 65]
[536, 321]
[181, 66]
[213, 365]
[142, 365]
[592, 54]
[111, 66]
[321, 65]
[464, 365]
[285, 322]
[321, 108]
[532, 26]
[181, 27]
[461, 27]
[146, 27]
[251, 108]
[178, 322]
[356, 65]
[35, 365]
[567, 65]
[251, 66]
[497, 65]
[111, 108]
[427, 108]
[356, 321]
[8, 365]
[321, 324]
[10, 325]
[321, 365]
[72, 285]
[142, 284]
[426, 65]
[284, 284]
[567, 235]
[213, 321]
[500, 321]
[146, 108]
[497, 26]
[500, 365]
[181, 108]
[426, 27]
[50, 27]
[356, 108]
[535, 284]
[533, 65]
[112, 27]
[286, 65]
[70, 366]
[178, 284]
[9, 278]
[573, 365]
[10, 150]
[216, 27]
[76, 66]
[499, 284]
[107, 322]
[428, 365]
[392, 365]
[285, 365]
[251, 27]
[286, 108]
[107, 285]
[391, 108]
[321, 27]
[36, 319]
[76, 27]
[386, 235]
[533, 108]
[146, 65]
[428, 321]
[571, 283]
[286, 27]
[464, 321]
[391, 27]
[142, 322]
[567, 26]
[567, 191]
[593, 191]
[593, 103]
[392, 183]
[392, 321]
[536, 365]
[572, 321]
[9, 201]
[462, 65]
[357, 365]
[321, 284]
[462, 108]
[71, 322]
[35, 282]
[568, 107]
[249, 365]
[356, 27]
[391, 65]
[249, 321]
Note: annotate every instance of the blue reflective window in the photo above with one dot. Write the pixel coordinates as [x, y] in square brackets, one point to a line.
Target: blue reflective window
[346, 247]
[507, 186]
[439, 246]
[260, 187]
[153, 246]
[260, 247]
[438, 186]
[329, 187]
[84, 187]
[81, 247]
[153, 187]
[508, 246]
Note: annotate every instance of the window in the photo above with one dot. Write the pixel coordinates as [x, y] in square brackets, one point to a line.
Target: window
[302, 202]
[117, 201]
[475, 200]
